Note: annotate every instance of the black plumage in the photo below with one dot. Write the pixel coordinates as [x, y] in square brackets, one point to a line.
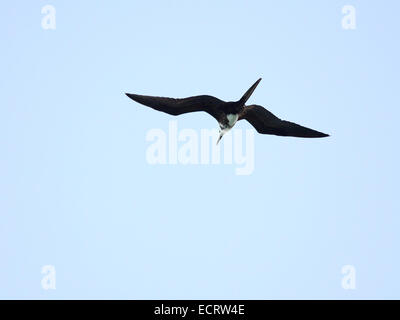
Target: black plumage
[227, 113]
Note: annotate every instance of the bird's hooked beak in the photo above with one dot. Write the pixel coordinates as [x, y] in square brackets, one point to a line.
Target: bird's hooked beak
[221, 133]
[220, 137]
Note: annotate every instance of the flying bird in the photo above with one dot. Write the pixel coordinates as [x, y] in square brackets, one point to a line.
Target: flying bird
[228, 113]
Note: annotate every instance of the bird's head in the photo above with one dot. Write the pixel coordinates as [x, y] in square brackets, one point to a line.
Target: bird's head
[221, 133]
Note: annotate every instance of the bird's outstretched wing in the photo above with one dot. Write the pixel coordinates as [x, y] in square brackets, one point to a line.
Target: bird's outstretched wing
[176, 107]
[267, 123]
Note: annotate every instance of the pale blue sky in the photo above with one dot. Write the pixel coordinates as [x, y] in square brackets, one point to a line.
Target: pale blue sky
[76, 191]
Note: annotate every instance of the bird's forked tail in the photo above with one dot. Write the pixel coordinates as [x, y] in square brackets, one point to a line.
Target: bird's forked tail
[249, 92]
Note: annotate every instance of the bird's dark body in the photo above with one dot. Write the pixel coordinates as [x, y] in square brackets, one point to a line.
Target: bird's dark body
[227, 113]
[233, 108]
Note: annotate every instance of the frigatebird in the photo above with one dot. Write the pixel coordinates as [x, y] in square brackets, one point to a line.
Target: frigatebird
[228, 113]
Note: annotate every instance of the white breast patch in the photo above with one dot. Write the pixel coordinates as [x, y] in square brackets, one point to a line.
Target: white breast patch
[232, 118]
